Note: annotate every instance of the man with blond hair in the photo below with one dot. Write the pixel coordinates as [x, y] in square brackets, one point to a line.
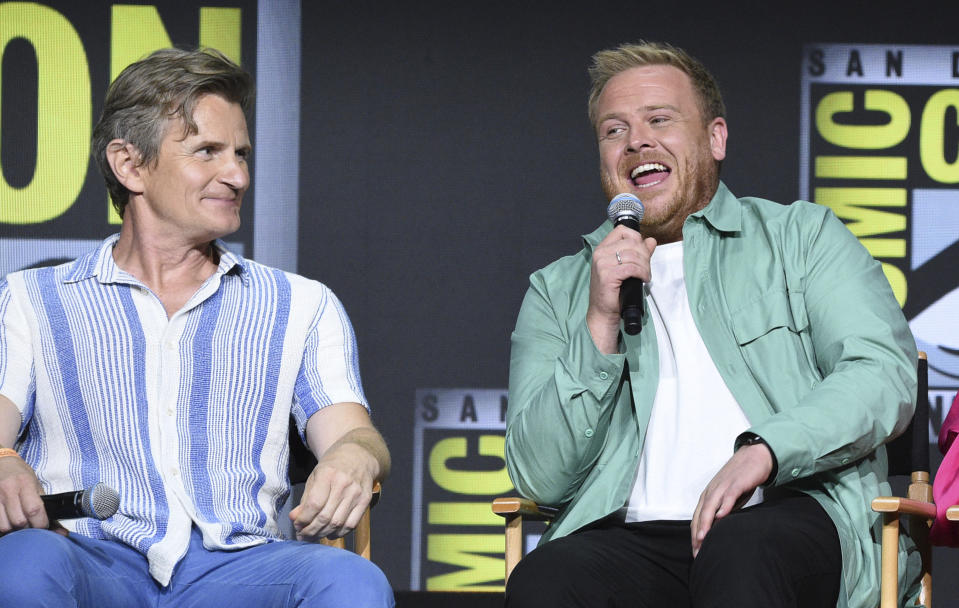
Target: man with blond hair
[166, 366]
[726, 454]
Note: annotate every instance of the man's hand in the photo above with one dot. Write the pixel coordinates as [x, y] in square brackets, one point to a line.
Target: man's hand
[623, 254]
[337, 493]
[20, 504]
[731, 487]
[352, 456]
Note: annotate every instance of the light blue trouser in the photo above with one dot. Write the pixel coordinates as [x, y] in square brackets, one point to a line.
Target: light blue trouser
[42, 568]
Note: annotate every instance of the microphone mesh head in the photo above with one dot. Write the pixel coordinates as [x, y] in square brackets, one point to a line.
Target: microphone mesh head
[625, 205]
[100, 502]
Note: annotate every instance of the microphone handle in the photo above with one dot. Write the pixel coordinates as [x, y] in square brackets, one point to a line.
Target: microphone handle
[631, 291]
[631, 296]
[66, 505]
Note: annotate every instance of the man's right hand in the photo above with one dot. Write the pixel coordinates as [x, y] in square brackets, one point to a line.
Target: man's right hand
[20, 503]
[607, 273]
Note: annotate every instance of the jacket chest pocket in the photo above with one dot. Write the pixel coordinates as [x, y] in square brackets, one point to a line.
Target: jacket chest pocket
[775, 309]
[773, 334]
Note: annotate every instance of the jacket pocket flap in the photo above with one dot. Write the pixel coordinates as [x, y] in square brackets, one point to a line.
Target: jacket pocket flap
[772, 310]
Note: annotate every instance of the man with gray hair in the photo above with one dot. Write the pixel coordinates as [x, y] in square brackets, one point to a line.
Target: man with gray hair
[727, 453]
[168, 367]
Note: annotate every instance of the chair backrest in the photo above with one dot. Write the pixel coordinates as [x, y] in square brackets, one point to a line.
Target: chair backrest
[302, 460]
[909, 452]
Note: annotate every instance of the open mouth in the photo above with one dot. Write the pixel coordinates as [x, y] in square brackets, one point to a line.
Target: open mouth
[648, 174]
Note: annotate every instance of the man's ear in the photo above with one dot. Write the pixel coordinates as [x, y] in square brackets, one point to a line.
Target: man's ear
[717, 138]
[124, 160]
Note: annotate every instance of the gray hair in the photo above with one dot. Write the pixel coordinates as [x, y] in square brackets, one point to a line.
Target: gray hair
[149, 94]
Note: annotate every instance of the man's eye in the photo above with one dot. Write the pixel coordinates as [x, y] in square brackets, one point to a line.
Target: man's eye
[613, 131]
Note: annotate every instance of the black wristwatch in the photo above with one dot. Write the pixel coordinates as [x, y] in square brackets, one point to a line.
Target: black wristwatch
[748, 438]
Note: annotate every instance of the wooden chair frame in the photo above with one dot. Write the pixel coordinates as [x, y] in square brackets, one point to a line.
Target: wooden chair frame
[514, 510]
[917, 507]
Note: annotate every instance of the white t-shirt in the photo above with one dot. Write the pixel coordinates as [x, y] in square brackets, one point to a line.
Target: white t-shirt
[695, 419]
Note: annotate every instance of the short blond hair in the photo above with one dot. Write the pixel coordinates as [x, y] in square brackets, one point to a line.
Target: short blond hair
[610, 62]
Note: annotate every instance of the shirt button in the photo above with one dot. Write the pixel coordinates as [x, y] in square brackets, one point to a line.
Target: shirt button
[169, 411]
[795, 472]
[588, 433]
[702, 307]
[603, 375]
[845, 461]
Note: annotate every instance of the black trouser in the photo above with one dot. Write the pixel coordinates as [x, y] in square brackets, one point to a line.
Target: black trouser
[782, 552]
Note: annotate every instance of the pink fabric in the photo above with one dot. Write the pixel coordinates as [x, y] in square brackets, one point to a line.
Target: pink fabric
[945, 488]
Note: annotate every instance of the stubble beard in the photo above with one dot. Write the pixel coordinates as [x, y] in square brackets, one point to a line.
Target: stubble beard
[665, 222]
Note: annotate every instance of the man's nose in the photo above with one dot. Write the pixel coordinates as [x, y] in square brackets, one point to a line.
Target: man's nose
[236, 173]
[639, 137]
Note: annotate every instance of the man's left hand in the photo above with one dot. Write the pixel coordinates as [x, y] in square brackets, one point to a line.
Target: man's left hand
[352, 457]
[337, 493]
[730, 488]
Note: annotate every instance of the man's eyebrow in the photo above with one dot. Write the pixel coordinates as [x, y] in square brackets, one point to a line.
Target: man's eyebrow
[661, 106]
[647, 108]
[206, 143]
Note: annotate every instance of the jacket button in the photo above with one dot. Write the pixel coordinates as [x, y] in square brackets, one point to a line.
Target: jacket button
[588, 433]
[603, 375]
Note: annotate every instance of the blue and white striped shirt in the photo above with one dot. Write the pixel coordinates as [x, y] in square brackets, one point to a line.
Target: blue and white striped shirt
[187, 416]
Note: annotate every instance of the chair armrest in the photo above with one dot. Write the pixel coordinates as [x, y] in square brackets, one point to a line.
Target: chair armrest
[903, 506]
[513, 506]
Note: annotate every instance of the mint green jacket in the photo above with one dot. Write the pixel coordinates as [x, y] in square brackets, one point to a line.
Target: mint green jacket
[804, 329]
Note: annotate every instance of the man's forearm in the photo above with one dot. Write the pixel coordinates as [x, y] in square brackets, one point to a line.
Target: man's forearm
[367, 441]
[10, 421]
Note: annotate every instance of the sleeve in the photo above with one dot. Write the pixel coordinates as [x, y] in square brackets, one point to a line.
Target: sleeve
[562, 391]
[330, 369]
[17, 381]
[864, 353]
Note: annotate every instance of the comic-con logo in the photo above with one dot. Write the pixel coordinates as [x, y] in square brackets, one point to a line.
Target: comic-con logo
[880, 146]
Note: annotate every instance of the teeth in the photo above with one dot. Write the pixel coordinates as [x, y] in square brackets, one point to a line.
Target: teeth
[647, 167]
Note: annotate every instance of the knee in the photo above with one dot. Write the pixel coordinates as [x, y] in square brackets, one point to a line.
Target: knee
[730, 551]
[33, 550]
[526, 579]
[738, 563]
[347, 580]
[34, 562]
[543, 578]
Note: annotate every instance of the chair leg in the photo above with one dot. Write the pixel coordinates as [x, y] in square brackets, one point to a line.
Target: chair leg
[361, 536]
[514, 543]
[889, 587]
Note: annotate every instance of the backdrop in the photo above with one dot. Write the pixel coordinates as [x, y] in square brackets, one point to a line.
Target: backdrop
[423, 159]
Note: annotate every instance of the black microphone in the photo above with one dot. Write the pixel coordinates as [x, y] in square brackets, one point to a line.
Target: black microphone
[627, 210]
[99, 502]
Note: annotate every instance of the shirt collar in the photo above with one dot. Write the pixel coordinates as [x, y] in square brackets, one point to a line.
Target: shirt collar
[724, 213]
[99, 263]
